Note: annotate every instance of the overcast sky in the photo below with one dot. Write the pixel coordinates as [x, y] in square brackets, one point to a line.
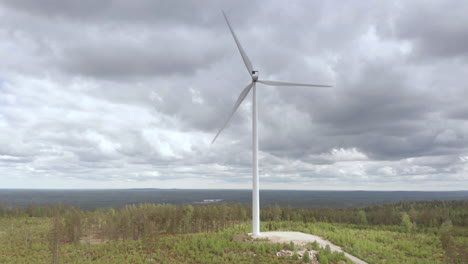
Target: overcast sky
[129, 94]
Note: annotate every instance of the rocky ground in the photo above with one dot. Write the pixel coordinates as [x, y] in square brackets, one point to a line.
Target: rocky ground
[300, 238]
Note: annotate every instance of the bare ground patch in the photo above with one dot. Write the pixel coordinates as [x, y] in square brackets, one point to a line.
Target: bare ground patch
[93, 240]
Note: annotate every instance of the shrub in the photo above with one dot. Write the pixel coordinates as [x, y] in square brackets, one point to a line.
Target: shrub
[323, 259]
[306, 257]
[295, 256]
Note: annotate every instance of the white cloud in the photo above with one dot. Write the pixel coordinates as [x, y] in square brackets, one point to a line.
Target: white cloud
[342, 154]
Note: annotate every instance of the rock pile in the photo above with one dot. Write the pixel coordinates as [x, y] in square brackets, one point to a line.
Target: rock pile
[300, 253]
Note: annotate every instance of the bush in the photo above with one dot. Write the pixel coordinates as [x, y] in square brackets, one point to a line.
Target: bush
[323, 259]
[295, 256]
[291, 246]
[315, 245]
[306, 257]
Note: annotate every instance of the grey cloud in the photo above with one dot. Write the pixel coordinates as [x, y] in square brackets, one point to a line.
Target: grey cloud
[435, 33]
[140, 11]
[459, 112]
[123, 92]
[171, 52]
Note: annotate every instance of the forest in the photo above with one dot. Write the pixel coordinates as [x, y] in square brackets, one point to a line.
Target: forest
[405, 232]
[117, 198]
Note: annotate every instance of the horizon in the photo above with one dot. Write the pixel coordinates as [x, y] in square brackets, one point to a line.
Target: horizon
[305, 190]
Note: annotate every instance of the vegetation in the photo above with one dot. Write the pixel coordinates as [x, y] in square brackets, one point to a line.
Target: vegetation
[410, 232]
[326, 256]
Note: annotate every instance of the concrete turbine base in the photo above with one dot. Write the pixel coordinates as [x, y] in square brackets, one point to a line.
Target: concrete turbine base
[300, 238]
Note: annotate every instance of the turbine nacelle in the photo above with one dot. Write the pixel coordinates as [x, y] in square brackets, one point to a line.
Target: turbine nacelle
[254, 76]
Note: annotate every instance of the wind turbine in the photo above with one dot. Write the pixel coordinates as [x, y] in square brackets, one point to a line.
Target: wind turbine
[252, 86]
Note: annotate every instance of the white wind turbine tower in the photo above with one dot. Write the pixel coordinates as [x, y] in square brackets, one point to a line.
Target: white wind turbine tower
[252, 85]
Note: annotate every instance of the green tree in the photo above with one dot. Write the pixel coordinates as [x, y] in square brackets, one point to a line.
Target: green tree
[362, 217]
[72, 225]
[276, 213]
[446, 240]
[406, 222]
[2, 210]
[55, 237]
[187, 216]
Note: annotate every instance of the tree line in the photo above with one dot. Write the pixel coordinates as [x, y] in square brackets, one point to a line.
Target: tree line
[132, 221]
[422, 214]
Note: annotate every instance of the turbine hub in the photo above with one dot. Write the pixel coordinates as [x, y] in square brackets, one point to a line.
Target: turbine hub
[254, 76]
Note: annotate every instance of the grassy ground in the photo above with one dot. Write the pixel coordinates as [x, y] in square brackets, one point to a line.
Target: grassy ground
[26, 240]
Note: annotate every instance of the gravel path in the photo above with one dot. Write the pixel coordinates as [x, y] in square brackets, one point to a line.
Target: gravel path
[300, 238]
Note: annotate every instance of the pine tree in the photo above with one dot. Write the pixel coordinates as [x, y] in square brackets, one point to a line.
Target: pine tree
[406, 222]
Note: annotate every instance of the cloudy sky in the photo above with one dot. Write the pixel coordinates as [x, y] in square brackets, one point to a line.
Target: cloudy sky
[129, 94]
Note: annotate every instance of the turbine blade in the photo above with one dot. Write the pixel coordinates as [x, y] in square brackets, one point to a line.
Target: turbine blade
[277, 83]
[246, 60]
[236, 105]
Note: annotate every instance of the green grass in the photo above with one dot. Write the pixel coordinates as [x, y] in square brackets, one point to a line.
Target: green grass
[26, 240]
